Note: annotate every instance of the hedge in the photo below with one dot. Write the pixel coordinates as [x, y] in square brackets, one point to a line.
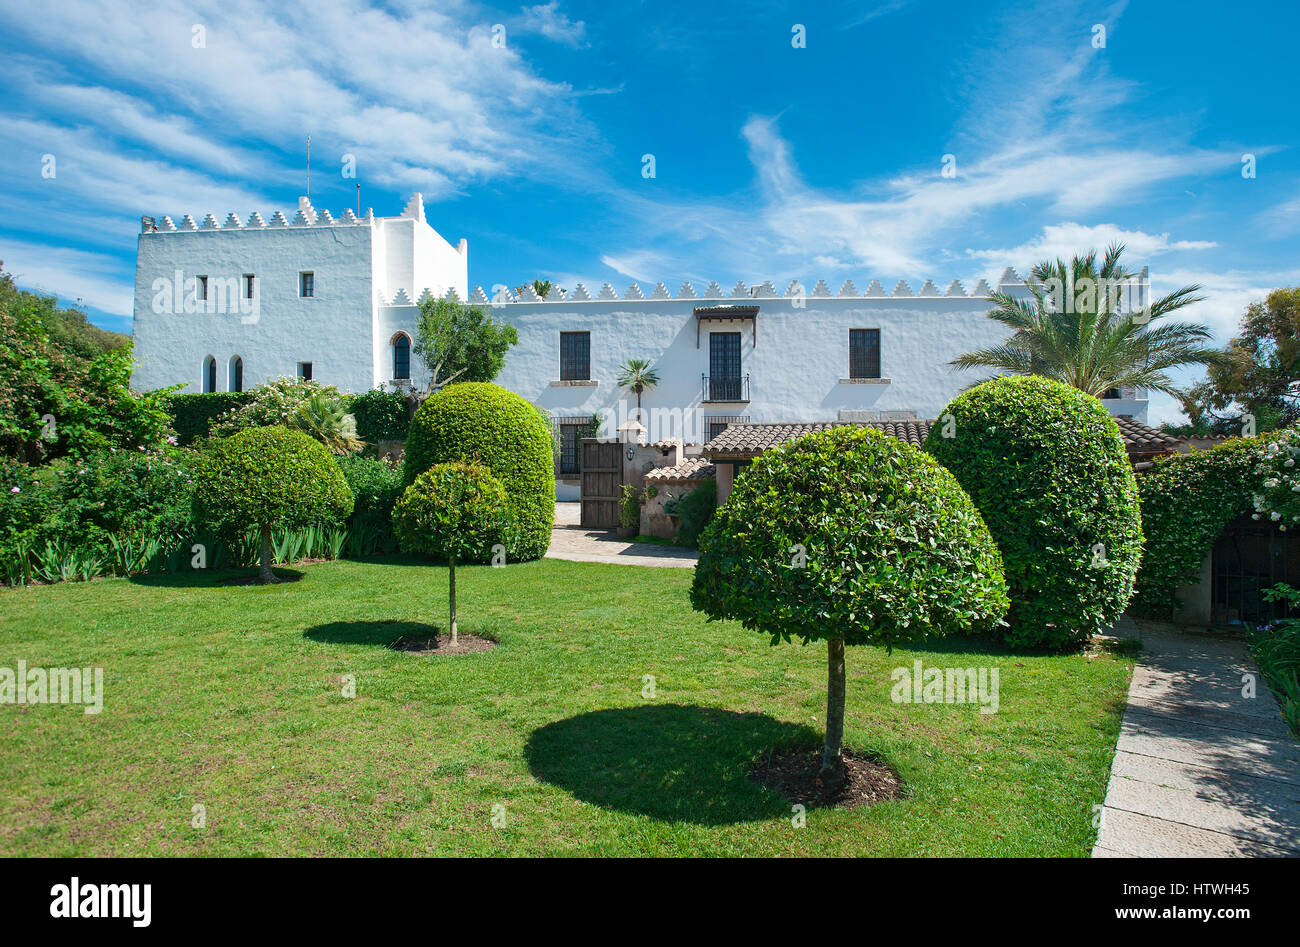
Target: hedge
[1187, 500]
[380, 415]
[192, 414]
[479, 422]
[1047, 467]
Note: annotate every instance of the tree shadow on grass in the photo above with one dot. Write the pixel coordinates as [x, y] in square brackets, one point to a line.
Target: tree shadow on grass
[381, 632]
[673, 762]
[213, 578]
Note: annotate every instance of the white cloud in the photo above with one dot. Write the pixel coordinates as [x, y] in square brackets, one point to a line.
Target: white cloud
[547, 20]
[1066, 239]
[93, 278]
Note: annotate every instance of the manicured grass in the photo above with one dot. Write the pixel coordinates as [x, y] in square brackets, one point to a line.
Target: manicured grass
[230, 697]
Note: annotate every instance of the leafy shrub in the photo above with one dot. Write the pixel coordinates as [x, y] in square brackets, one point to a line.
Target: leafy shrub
[60, 391]
[270, 477]
[122, 491]
[629, 506]
[695, 512]
[853, 536]
[325, 418]
[1046, 466]
[457, 512]
[478, 422]
[1276, 646]
[1187, 500]
[375, 485]
[192, 415]
[381, 416]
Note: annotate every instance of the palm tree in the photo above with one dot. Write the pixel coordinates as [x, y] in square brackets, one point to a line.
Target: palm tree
[1075, 331]
[636, 375]
[325, 419]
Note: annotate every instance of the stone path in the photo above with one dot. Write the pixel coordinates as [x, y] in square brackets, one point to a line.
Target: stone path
[1200, 770]
[597, 545]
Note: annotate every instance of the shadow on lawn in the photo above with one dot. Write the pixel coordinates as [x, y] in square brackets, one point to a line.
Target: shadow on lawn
[382, 632]
[212, 578]
[675, 762]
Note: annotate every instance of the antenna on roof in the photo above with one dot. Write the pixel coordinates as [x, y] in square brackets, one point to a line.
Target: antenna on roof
[309, 167]
[358, 198]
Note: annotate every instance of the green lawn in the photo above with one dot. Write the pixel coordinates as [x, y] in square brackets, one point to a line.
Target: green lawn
[230, 697]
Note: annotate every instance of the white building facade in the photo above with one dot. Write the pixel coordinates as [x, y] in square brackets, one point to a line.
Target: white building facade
[335, 299]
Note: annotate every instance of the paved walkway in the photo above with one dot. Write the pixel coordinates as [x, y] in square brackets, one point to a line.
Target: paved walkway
[598, 545]
[1200, 770]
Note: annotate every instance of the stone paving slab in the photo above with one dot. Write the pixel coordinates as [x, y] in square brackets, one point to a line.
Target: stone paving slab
[581, 545]
[1199, 769]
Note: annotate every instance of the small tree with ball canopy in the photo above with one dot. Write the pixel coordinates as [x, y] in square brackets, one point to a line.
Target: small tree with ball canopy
[454, 511]
[270, 478]
[851, 536]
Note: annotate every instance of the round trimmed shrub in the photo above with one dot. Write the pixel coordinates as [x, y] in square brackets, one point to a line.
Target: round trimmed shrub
[853, 536]
[483, 423]
[271, 478]
[1187, 500]
[1046, 465]
[455, 511]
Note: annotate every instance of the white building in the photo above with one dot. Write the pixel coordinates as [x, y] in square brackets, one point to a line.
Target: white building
[334, 298]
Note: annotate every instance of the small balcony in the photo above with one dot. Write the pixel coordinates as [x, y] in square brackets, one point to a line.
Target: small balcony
[729, 389]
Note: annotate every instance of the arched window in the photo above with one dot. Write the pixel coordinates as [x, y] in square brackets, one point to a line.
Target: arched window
[236, 374]
[401, 356]
[209, 374]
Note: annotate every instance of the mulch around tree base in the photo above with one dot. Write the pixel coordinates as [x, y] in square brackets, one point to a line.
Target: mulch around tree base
[795, 774]
[440, 644]
[280, 579]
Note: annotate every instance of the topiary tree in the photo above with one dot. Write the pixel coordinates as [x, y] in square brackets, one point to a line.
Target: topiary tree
[270, 478]
[852, 536]
[478, 422]
[1047, 468]
[454, 511]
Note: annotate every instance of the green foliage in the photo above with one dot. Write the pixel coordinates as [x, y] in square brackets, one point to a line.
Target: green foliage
[460, 343]
[695, 511]
[324, 417]
[1048, 470]
[381, 416]
[192, 415]
[1276, 646]
[483, 423]
[1260, 372]
[270, 477]
[1187, 500]
[1277, 481]
[118, 491]
[274, 403]
[849, 533]
[1073, 330]
[375, 484]
[60, 391]
[454, 511]
[629, 506]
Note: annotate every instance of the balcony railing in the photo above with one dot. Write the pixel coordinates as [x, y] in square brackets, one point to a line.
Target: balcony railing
[729, 388]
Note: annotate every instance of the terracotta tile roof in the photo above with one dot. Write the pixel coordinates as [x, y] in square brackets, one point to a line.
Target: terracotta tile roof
[744, 441]
[1141, 439]
[696, 468]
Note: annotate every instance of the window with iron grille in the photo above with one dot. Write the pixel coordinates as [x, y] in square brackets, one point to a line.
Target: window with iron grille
[306, 285]
[864, 353]
[572, 431]
[575, 356]
[724, 366]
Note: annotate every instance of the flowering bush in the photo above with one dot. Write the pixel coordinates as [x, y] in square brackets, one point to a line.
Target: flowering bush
[1279, 499]
[296, 403]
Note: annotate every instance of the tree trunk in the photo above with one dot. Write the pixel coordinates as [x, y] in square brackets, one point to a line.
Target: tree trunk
[638, 406]
[264, 573]
[452, 597]
[833, 754]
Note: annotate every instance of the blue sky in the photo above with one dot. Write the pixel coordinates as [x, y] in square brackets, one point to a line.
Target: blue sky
[771, 162]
